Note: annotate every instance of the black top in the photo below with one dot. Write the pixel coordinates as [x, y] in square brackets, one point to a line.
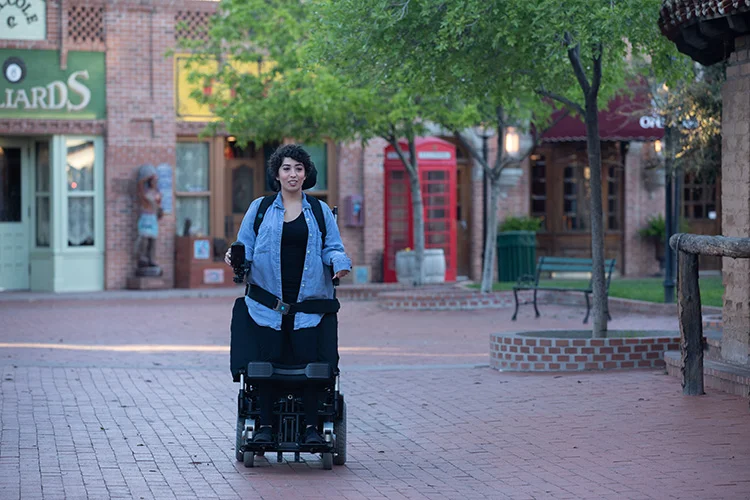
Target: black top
[293, 247]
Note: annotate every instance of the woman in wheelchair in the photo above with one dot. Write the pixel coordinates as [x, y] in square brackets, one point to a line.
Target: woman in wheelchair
[294, 252]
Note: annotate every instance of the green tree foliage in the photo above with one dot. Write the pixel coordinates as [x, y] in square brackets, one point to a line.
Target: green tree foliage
[578, 53]
[277, 74]
[255, 59]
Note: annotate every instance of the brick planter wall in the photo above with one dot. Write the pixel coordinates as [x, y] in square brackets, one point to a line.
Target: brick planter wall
[445, 300]
[512, 352]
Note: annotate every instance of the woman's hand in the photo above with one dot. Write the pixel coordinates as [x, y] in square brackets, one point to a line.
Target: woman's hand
[228, 256]
[341, 274]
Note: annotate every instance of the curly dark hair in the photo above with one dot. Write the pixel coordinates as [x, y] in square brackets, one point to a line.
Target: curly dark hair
[293, 151]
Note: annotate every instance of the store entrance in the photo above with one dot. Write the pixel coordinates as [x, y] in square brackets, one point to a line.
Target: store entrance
[244, 180]
[15, 221]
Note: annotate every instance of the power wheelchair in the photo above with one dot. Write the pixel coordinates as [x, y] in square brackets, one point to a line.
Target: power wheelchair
[289, 383]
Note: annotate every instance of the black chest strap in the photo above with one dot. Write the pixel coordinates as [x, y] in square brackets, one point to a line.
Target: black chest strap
[310, 306]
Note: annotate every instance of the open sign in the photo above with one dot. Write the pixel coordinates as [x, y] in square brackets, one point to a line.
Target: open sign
[651, 122]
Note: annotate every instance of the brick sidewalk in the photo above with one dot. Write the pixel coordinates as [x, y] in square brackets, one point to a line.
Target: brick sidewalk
[99, 407]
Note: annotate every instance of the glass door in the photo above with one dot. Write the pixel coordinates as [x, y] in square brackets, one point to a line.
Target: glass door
[14, 217]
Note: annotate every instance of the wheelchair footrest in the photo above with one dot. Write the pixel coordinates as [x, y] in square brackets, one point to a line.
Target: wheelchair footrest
[288, 447]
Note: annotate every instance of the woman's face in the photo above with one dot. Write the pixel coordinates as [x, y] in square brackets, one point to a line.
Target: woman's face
[291, 175]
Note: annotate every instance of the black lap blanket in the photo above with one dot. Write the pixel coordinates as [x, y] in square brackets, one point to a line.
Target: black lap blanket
[251, 342]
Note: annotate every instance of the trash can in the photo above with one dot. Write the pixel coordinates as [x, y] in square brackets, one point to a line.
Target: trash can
[516, 254]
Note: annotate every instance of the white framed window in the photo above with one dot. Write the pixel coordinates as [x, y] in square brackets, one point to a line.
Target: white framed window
[192, 187]
[42, 195]
[80, 172]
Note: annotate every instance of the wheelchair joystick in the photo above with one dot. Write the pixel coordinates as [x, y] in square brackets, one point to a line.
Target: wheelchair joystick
[238, 262]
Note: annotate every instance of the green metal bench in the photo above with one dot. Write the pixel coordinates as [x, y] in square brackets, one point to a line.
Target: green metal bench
[563, 265]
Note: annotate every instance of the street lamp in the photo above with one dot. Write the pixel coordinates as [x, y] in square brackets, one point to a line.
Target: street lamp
[671, 213]
[512, 142]
[484, 133]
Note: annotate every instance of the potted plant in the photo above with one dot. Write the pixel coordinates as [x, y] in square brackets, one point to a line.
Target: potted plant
[516, 246]
[656, 231]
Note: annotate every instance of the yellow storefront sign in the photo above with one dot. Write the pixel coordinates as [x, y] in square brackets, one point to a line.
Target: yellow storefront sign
[187, 108]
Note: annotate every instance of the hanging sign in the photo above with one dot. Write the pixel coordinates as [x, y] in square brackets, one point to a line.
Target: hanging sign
[32, 85]
[23, 20]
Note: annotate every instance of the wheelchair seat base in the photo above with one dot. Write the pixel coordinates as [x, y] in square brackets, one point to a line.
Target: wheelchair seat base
[265, 371]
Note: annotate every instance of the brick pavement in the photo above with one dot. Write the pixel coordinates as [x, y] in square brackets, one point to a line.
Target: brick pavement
[99, 406]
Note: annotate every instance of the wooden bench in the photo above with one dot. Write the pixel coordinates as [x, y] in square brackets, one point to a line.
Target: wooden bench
[563, 265]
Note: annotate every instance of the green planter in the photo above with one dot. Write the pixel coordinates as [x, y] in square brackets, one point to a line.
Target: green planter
[516, 254]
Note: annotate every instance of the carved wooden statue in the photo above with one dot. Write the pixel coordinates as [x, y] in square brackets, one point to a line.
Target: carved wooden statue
[149, 205]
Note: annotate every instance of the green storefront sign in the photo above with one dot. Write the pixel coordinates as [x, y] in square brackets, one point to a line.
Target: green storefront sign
[32, 85]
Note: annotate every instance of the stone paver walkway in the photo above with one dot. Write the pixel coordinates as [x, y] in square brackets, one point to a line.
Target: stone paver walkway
[133, 399]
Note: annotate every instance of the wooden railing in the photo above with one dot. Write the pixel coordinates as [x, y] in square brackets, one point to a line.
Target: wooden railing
[688, 248]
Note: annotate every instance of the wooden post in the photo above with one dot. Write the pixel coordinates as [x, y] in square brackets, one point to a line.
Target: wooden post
[691, 324]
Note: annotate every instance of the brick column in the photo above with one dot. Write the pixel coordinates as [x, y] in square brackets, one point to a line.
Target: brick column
[641, 201]
[374, 186]
[141, 127]
[735, 200]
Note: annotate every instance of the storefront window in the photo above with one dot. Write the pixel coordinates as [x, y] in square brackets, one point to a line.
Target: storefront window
[614, 181]
[576, 196]
[42, 195]
[699, 196]
[79, 171]
[539, 188]
[319, 156]
[192, 188]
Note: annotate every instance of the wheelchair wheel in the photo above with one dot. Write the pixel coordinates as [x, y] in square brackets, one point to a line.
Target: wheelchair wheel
[327, 461]
[339, 428]
[238, 439]
[248, 458]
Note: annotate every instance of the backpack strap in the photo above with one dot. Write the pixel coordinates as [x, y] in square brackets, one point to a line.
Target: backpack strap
[318, 213]
[264, 204]
[314, 204]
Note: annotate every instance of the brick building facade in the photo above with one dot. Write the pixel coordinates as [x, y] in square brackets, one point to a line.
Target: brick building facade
[147, 120]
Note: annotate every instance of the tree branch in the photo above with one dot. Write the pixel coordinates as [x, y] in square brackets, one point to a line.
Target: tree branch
[404, 7]
[574, 56]
[557, 97]
[393, 141]
[472, 151]
[501, 128]
[596, 78]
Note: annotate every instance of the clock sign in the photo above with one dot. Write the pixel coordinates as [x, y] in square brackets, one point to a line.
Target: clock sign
[14, 70]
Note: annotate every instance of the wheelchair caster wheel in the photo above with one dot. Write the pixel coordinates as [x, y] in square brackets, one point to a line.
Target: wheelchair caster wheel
[327, 461]
[296, 456]
[248, 459]
[279, 457]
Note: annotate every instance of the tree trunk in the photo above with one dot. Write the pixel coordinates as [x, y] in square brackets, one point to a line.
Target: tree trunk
[418, 215]
[488, 274]
[597, 224]
[691, 325]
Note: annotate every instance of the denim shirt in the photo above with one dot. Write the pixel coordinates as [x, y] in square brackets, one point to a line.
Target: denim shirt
[264, 254]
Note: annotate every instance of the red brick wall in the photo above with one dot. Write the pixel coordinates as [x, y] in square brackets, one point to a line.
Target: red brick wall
[351, 182]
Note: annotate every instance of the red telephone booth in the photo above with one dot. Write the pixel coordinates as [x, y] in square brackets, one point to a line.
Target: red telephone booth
[436, 161]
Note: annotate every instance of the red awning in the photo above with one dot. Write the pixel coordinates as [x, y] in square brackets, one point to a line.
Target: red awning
[628, 118]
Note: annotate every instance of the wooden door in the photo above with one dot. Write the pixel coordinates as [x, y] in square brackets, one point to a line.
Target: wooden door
[243, 183]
